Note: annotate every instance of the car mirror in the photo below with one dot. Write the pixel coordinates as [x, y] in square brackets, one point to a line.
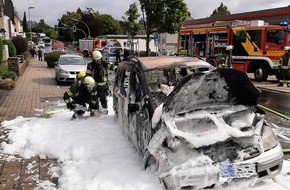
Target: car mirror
[133, 108]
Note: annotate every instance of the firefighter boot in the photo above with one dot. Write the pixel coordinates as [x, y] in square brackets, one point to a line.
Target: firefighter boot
[280, 84]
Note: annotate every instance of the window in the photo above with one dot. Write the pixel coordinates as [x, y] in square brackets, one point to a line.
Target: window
[122, 79]
[241, 36]
[275, 36]
[255, 36]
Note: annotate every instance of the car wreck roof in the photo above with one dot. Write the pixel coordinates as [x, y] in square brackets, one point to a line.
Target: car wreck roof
[151, 63]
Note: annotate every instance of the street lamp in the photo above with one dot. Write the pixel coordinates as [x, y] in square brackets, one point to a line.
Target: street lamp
[84, 24]
[30, 23]
[69, 27]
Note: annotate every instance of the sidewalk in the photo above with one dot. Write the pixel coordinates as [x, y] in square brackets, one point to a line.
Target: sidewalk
[34, 91]
[270, 85]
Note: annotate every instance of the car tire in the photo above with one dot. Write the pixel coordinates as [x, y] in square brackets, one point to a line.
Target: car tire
[58, 82]
[261, 73]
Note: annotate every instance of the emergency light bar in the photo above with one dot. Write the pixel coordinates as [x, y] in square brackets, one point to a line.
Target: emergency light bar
[284, 23]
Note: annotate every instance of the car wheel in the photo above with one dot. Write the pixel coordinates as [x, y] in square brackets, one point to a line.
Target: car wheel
[57, 81]
[261, 73]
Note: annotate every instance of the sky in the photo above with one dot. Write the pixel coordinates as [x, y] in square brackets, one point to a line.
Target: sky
[94, 153]
[52, 10]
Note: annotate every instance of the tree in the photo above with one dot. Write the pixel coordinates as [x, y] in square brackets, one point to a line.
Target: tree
[41, 26]
[20, 44]
[162, 16]
[131, 23]
[222, 10]
[107, 25]
[25, 23]
[66, 24]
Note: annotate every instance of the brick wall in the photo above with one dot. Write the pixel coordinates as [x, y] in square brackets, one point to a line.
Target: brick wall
[18, 64]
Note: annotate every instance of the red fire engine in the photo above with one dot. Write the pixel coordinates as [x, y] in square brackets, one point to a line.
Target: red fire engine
[87, 46]
[257, 46]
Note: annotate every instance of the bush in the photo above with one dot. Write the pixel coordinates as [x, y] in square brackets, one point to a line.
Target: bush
[1, 52]
[11, 47]
[51, 58]
[8, 74]
[20, 44]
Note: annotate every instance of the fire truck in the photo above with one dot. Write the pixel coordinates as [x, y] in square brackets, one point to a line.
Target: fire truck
[87, 46]
[257, 46]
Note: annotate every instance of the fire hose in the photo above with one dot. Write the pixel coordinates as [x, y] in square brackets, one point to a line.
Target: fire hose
[286, 151]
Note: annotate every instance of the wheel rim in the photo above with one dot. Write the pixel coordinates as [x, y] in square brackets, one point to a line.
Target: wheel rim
[259, 73]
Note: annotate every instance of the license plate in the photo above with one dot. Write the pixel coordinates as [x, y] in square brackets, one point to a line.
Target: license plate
[228, 171]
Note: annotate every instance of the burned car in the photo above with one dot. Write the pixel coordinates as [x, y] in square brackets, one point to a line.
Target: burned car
[195, 126]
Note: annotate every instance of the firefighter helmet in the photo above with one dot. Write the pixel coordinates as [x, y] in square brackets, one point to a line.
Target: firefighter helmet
[97, 55]
[287, 48]
[81, 75]
[230, 47]
[89, 82]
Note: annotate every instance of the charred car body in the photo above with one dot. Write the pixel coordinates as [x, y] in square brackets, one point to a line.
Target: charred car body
[196, 126]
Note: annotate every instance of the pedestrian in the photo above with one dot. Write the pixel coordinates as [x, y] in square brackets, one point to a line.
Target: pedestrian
[118, 58]
[97, 68]
[284, 66]
[126, 54]
[39, 54]
[32, 52]
[83, 93]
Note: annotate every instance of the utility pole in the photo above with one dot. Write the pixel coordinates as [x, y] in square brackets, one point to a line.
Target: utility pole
[30, 22]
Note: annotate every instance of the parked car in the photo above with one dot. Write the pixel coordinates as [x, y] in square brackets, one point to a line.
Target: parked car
[58, 46]
[166, 53]
[31, 44]
[68, 66]
[109, 55]
[195, 126]
[41, 44]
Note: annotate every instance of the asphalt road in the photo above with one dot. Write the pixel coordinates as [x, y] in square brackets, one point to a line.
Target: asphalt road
[280, 103]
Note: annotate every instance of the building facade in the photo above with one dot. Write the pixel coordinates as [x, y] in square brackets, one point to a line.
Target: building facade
[10, 24]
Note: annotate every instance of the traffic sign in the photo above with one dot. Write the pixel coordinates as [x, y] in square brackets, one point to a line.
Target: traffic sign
[156, 39]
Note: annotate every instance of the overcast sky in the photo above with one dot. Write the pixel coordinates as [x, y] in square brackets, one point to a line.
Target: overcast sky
[52, 10]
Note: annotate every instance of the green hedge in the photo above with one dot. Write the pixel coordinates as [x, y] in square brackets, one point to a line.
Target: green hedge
[11, 47]
[8, 74]
[51, 58]
[1, 52]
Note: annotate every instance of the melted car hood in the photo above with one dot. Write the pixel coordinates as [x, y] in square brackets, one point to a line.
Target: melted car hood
[220, 86]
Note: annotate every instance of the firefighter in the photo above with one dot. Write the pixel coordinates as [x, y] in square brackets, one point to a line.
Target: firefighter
[80, 76]
[82, 93]
[224, 61]
[98, 70]
[285, 68]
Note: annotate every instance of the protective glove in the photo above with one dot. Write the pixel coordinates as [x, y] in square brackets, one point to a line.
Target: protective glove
[108, 92]
[70, 106]
[93, 106]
